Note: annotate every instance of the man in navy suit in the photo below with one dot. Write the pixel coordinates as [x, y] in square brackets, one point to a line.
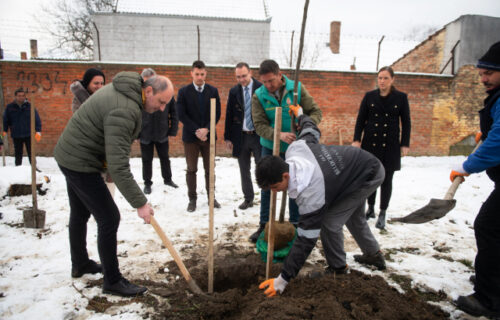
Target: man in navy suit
[193, 109]
[239, 131]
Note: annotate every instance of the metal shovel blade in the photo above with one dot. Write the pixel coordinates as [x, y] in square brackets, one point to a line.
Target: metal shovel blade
[435, 209]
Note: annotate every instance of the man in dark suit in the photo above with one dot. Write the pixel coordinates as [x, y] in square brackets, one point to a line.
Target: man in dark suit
[239, 132]
[156, 128]
[193, 109]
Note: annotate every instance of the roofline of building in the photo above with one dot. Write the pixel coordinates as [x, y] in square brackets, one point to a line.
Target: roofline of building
[232, 66]
[435, 33]
[181, 16]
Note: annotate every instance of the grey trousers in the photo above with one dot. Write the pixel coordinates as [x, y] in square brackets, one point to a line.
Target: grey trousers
[349, 211]
[250, 143]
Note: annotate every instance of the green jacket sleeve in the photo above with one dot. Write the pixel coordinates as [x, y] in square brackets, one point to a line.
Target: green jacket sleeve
[119, 128]
[310, 107]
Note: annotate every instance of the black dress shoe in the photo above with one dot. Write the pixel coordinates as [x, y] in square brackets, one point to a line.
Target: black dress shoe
[474, 307]
[171, 184]
[253, 238]
[381, 220]
[370, 213]
[91, 267]
[123, 288]
[191, 206]
[216, 204]
[246, 205]
[147, 189]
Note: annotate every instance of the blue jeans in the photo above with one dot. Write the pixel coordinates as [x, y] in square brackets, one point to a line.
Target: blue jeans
[265, 198]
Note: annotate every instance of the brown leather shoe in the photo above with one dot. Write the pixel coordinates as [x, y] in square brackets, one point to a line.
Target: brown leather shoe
[191, 206]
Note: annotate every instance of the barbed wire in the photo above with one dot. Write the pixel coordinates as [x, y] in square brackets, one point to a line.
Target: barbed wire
[355, 49]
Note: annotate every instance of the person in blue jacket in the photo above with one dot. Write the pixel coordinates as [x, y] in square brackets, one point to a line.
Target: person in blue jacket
[485, 301]
[17, 117]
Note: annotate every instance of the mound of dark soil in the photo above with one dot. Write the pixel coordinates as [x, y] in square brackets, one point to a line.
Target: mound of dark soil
[236, 278]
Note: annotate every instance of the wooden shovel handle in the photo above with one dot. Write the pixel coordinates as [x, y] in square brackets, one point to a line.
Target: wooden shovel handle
[453, 188]
[283, 206]
[171, 249]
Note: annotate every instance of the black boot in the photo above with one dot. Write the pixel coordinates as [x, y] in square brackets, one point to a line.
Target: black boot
[370, 213]
[381, 220]
[376, 260]
[257, 233]
[473, 306]
[123, 288]
[91, 267]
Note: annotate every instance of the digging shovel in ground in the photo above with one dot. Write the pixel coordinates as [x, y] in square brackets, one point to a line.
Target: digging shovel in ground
[185, 273]
[436, 208]
[33, 217]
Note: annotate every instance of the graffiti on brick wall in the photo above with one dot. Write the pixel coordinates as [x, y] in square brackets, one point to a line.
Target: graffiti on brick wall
[33, 82]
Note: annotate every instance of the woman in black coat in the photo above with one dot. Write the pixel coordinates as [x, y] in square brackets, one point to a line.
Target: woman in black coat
[379, 119]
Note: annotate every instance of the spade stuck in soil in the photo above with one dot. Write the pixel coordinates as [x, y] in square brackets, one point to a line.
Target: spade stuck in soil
[33, 217]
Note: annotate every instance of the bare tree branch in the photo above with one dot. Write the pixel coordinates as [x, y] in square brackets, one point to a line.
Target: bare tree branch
[72, 24]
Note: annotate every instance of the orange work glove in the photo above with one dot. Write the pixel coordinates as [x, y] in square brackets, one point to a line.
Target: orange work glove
[479, 134]
[273, 285]
[296, 110]
[458, 171]
[38, 136]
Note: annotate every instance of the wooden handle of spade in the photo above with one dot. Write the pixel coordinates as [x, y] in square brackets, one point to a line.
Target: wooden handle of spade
[166, 242]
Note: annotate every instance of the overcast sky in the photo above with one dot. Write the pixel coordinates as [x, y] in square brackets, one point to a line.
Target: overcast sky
[379, 17]
[395, 18]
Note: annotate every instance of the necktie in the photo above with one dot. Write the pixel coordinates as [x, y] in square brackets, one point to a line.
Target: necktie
[200, 104]
[248, 110]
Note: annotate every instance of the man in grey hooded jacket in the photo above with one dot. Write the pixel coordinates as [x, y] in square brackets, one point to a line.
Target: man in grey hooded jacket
[330, 185]
[99, 135]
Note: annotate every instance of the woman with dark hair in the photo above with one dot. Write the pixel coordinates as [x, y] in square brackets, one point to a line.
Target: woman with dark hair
[93, 80]
[379, 120]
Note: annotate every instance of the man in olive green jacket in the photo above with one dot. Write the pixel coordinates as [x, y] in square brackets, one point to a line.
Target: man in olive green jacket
[99, 136]
[277, 91]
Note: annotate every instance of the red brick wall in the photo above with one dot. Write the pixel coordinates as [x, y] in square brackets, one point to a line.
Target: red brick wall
[426, 57]
[337, 93]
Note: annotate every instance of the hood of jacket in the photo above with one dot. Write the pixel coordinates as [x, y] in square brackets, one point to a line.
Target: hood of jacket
[130, 85]
[80, 93]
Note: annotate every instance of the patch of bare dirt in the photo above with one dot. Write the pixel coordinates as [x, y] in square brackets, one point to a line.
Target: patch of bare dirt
[352, 296]
[238, 270]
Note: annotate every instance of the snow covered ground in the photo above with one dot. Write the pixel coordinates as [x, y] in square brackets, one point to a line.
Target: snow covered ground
[35, 281]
